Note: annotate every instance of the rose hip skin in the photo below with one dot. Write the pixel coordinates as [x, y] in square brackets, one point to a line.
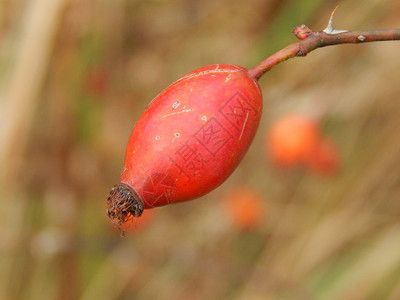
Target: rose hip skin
[188, 141]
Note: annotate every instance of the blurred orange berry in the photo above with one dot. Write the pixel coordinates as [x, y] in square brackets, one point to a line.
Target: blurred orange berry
[325, 159]
[291, 139]
[245, 208]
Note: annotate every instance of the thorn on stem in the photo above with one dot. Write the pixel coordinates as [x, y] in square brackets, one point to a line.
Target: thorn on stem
[329, 28]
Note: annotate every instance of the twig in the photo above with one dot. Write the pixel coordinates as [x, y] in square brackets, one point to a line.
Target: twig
[311, 40]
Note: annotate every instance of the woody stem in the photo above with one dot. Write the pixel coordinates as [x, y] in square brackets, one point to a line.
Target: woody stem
[311, 40]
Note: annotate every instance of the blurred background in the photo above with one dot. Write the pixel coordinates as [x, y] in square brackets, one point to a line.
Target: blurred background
[75, 76]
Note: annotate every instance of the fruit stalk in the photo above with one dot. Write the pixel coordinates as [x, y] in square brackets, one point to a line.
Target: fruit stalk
[311, 40]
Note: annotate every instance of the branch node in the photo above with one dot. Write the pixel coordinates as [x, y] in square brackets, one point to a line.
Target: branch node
[302, 32]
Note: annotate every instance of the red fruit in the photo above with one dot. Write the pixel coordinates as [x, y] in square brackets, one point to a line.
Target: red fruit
[324, 160]
[244, 208]
[291, 139]
[188, 140]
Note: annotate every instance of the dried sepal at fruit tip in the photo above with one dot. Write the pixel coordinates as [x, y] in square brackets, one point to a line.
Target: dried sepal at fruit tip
[139, 224]
[123, 205]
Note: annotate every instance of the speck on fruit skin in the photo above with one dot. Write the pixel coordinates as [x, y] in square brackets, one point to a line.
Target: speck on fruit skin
[176, 104]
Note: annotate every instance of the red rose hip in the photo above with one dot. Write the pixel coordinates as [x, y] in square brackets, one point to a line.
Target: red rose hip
[188, 141]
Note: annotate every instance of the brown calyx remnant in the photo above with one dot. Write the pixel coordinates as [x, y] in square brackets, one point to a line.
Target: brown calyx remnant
[123, 204]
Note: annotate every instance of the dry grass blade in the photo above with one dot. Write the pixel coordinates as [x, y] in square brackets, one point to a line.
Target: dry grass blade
[362, 277]
[31, 58]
